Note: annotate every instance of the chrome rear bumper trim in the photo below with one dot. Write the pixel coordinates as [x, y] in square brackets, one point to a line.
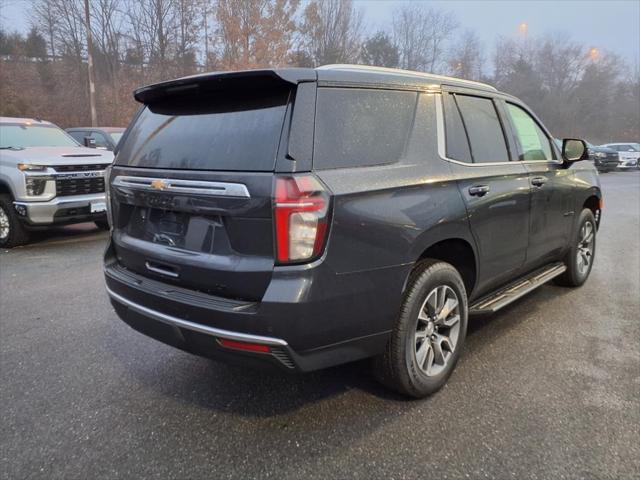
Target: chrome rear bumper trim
[196, 327]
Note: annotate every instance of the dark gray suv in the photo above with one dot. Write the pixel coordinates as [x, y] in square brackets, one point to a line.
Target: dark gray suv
[305, 218]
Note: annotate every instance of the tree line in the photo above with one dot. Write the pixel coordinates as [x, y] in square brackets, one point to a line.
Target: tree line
[577, 92]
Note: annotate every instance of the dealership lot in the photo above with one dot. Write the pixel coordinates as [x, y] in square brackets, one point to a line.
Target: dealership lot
[547, 388]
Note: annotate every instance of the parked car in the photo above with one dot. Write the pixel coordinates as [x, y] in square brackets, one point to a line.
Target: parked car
[105, 138]
[47, 178]
[305, 218]
[628, 154]
[605, 159]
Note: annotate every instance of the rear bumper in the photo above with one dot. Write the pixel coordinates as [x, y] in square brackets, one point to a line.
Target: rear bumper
[200, 339]
[302, 330]
[60, 210]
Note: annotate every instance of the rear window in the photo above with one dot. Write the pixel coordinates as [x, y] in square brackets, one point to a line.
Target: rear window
[361, 127]
[232, 131]
[483, 129]
[456, 137]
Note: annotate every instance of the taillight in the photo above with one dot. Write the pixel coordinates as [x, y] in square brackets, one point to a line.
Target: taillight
[301, 207]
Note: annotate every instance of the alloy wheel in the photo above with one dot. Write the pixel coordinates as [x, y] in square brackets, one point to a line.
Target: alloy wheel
[437, 330]
[585, 247]
[4, 224]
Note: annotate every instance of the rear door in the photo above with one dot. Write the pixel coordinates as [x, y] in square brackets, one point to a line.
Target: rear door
[495, 189]
[191, 190]
[551, 187]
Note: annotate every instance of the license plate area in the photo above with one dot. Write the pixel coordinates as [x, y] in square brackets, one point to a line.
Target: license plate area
[198, 233]
[98, 207]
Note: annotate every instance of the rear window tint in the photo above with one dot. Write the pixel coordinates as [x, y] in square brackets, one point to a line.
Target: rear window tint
[230, 131]
[483, 128]
[361, 127]
[456, 138]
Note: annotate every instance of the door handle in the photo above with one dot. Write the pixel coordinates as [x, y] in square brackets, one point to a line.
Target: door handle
[479, 190]
[538, 181]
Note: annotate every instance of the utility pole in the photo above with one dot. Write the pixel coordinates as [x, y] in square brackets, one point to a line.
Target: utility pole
[206, 40]
[92, 80]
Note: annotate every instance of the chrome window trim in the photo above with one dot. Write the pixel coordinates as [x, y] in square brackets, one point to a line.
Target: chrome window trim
[442, 144]
[196, 327]
[172, 185]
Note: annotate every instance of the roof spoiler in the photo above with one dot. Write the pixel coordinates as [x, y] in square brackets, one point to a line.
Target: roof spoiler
[210, 82]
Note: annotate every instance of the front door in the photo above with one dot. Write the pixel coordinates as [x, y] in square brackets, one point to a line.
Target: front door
[552, 212]
[494, 188]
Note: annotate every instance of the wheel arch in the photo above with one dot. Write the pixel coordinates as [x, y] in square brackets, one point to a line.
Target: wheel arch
[5, 188]
[594, 203]
[457, 251]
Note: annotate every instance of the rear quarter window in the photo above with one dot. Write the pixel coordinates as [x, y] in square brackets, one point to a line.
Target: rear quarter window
[361, 127]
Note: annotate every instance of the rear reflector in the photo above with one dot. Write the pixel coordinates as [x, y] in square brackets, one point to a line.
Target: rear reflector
[250, 347]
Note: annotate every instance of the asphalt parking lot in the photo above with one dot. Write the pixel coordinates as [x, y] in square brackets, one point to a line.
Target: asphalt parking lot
[547, 388]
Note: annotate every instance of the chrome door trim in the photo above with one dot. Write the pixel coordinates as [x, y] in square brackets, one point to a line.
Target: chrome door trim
[442, 144]
[172, 185]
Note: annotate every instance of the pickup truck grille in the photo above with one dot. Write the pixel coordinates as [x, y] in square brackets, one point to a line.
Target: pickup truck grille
[80, 168]
[79, 186]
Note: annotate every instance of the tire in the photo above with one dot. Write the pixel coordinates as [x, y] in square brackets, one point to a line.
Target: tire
[12, 231]
[102, 224]
[580, 252]
[411, 338]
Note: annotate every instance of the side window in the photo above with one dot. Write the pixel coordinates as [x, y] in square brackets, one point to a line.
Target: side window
[456, 138]
[361, 127]
[78, 136]
[101, 140]
[534, 143]
[483, 129]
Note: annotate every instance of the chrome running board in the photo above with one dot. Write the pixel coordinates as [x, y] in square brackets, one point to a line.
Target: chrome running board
[503, 297]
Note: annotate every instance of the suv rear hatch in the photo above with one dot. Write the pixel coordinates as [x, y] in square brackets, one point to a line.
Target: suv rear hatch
[192, 185]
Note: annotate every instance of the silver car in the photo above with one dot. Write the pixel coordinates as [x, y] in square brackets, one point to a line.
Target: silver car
[628, 154]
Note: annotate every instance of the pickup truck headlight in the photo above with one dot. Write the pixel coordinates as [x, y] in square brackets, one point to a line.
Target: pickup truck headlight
[35, 185]
[29, 167]
[599, 154]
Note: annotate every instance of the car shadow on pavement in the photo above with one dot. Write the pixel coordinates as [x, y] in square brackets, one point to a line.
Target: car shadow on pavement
[204, 383]
[80, 231]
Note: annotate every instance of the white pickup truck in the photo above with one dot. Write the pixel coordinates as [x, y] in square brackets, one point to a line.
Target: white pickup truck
[47, 178]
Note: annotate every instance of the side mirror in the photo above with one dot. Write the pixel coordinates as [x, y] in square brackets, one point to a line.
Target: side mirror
[89, 142]
[574, 150]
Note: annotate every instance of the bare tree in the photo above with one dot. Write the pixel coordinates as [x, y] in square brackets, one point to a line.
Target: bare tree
[560, 62]
[188, 27]
[152, 27]
[332, 31]
[465, 57]
[255, 33]
[421, 35]
[45, 20]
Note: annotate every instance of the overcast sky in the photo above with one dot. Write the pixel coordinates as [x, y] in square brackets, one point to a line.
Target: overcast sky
[608, 25]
